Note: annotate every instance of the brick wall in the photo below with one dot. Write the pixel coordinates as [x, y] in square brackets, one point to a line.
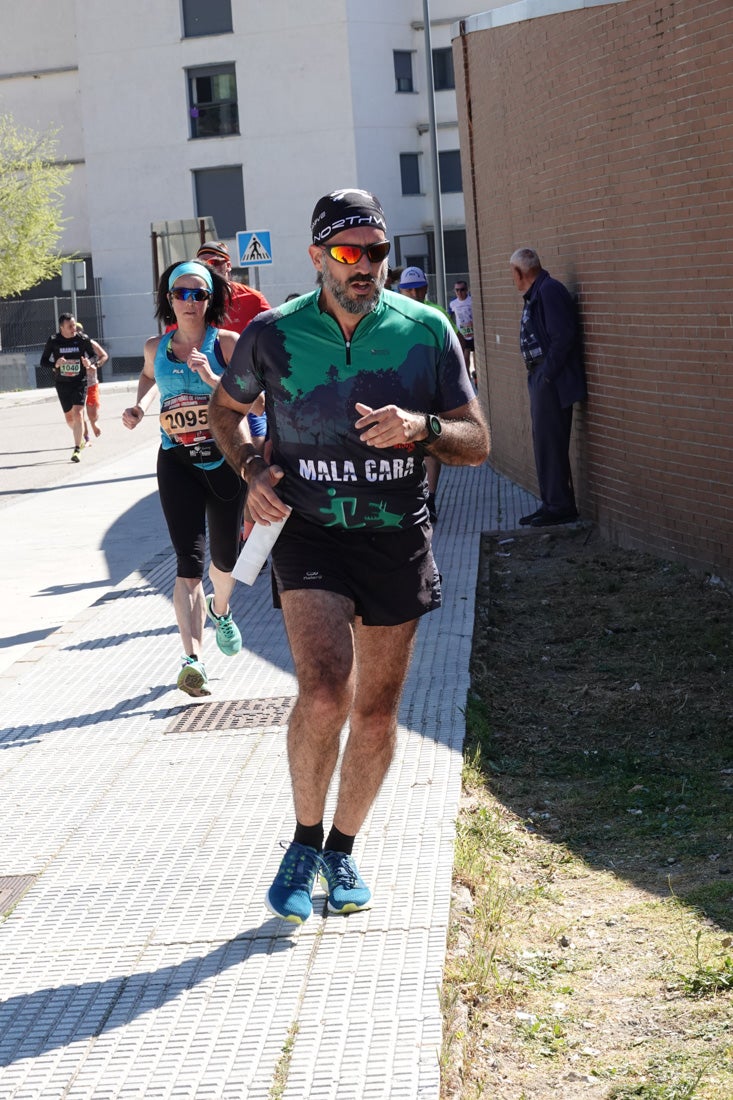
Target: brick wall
[604, 139]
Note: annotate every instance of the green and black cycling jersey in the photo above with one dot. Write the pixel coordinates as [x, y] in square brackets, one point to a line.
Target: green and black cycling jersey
[403, 353]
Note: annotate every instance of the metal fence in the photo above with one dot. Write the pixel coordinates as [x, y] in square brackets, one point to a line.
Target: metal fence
[121, 323]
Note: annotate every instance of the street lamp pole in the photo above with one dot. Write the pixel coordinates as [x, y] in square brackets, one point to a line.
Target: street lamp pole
[434, 165]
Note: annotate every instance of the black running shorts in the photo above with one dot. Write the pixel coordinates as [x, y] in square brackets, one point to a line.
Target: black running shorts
[390, 577]
[71, 393]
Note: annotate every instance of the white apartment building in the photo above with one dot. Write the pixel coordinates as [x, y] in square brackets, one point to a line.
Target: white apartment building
[246, 113]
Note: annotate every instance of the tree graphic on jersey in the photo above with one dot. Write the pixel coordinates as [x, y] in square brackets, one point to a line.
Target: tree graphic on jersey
[384, 518]
[337, 509]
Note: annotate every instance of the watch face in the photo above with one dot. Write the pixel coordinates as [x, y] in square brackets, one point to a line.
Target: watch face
[435, 426]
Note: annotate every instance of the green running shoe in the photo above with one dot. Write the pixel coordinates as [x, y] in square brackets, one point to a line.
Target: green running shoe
[192, 678]
[228, 638]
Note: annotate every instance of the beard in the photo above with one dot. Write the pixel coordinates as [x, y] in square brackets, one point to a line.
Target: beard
[339, 291]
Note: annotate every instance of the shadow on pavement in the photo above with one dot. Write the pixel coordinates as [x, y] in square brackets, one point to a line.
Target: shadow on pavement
[30, 638]
[13, 735]
[36, 490]
[57, 1016]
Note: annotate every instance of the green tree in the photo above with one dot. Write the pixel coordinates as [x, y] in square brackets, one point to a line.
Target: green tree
[31, 196]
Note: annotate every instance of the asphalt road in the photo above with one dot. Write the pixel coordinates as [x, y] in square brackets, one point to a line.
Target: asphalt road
[36, 443]
[70, 532]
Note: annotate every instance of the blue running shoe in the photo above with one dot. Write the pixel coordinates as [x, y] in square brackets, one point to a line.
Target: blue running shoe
[289, 896]
[228, 638]
[347, 891]
[192, 678]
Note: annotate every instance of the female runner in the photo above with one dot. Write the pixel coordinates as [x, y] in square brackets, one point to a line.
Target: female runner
[197, 487]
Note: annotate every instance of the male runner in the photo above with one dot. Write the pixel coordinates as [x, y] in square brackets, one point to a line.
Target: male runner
[360, 385]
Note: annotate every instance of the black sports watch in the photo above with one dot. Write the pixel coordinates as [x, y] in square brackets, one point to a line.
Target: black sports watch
[434, 429]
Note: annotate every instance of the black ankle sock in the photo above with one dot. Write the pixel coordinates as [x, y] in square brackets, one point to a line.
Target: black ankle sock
[310, 835]
[339, 842]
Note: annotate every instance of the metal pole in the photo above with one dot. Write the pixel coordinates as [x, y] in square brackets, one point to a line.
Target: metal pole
[156, 268]
[154, 238]
[434, 165]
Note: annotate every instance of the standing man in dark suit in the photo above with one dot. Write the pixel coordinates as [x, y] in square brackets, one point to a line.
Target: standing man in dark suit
[549, 340]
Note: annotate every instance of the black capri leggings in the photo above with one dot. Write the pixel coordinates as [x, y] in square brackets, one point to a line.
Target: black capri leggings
[191, 498]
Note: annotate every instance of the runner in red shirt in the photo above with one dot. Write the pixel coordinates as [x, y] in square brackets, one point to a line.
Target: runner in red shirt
[245, 305]
[246, 302]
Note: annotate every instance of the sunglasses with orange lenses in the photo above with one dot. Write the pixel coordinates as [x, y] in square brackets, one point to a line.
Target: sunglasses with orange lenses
[351, 253]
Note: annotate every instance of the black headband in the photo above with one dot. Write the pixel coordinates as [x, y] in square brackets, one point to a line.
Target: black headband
[346, 209]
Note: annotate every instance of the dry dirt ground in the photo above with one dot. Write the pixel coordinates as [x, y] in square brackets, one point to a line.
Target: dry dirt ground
[590, 948]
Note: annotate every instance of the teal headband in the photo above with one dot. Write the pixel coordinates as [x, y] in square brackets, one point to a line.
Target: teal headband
[191, 267]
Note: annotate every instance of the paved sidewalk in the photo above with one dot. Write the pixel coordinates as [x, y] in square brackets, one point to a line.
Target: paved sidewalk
[70, 532]
[139, 832]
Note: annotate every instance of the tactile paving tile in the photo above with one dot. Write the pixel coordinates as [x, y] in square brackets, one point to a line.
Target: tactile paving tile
[141, 961]
[181, 1019]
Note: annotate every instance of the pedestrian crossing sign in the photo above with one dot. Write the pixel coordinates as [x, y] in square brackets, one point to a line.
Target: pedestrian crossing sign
[254, 249]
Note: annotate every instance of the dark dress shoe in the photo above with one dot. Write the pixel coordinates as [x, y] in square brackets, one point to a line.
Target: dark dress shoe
[526, 520]
[552, 519]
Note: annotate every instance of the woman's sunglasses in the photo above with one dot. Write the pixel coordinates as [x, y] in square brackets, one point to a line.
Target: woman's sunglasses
[351, 253]
[186, 293]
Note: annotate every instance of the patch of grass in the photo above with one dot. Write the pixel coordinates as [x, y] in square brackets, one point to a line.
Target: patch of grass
[680, 1090]
[713, 899]
[282, 1069]
[709, 977]
[548, 1035]
[663, 1080]
[594, 847]
[709, 980]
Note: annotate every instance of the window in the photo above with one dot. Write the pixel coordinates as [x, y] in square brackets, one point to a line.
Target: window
[220, 195]
[206, 17]
[403, 70]
[419, 249]
[212, 101]
[455, 250]
[410, 173]
[443, 74]
[412, 250]
[449, 166]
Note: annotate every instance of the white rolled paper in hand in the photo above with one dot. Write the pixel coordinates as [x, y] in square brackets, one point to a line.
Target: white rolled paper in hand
[255, 551]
